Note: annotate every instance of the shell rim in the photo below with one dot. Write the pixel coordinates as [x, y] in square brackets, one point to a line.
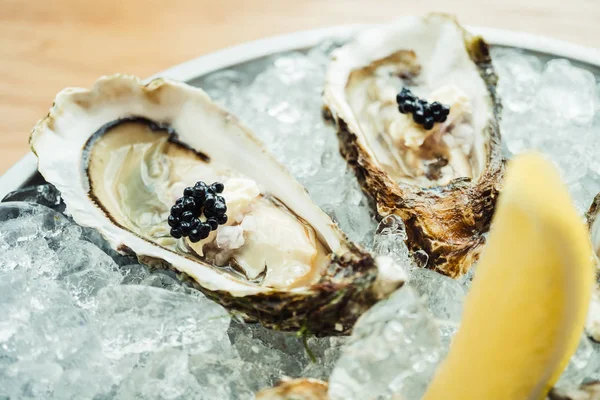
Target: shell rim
[66, 96]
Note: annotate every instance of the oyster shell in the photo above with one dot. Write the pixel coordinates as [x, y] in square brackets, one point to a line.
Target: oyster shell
[123, 152]
[593, 323]
[442, 182]
[296, 389]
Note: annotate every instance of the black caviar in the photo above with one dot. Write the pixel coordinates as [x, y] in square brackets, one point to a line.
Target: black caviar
[199, 200]
[424, 113]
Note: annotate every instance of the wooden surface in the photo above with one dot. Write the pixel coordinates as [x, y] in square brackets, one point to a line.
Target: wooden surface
[47, 45]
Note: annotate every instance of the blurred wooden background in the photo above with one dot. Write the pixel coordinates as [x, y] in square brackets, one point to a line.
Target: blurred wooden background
[47, 45]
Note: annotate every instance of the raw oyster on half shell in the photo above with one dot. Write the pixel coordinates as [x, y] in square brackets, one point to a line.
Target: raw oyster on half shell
[121, 154]
[443, 182]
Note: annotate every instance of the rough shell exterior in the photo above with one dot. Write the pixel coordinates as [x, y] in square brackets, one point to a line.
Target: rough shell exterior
[446, 222]
[330, 307]
[593, 323]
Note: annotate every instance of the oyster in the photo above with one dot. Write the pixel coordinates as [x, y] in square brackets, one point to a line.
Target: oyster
[123, 152]
[593, 323]
[443, 182]
[296, 389]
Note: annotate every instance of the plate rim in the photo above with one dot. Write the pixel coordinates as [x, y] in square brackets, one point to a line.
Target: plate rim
[247, 51]
[26, 167]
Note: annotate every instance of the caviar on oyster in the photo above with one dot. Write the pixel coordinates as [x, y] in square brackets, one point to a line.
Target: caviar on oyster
[442, 178]
[128, 152]
[199, 201]
[423, 113]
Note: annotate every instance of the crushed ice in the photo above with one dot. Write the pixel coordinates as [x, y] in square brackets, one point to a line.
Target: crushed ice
[81, 321]
[77, 324]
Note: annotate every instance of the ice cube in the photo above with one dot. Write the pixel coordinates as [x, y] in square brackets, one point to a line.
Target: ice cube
[136, 319]
[356, 220]
[443, 296]
[389, 240]
[225, 84]
[594, 366]
[274, 354]
[394, 350]
[160, 279]
[29, 379]
[226, 377]
[583, 192]
[46, 195]
[85, 270]
[41, 327]
[447, 331]
[572, 164]
[21, 222]
[519, 77]
[162, 375]
[264, 348]
[134, 274]
[567, 94]
[580, 366]
[466, 279]
[327, 351]
[321, 53]
[33, 256]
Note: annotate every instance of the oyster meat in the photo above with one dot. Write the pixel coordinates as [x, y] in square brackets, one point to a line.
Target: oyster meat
[443, 182]
[123, 152]
[593, 323]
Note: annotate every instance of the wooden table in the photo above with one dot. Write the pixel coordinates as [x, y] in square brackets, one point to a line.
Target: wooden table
[47, 45]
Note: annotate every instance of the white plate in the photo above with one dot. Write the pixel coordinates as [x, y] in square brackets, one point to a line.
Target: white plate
[26, 168]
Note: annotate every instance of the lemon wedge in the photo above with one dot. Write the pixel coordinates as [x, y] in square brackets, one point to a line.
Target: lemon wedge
[526, 309]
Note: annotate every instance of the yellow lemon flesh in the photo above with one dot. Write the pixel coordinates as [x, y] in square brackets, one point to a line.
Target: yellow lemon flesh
[526, 309]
